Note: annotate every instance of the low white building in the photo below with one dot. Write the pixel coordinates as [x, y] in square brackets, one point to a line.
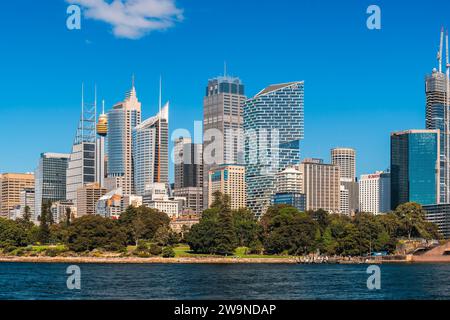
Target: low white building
[156, 197]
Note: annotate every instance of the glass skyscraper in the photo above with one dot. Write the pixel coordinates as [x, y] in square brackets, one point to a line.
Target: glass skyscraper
[122, 119]
[50, 179]
[151, 152]
[273, 125]
[222, 125]
[415, 167]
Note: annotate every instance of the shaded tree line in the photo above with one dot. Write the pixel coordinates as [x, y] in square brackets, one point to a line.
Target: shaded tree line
[286, 230]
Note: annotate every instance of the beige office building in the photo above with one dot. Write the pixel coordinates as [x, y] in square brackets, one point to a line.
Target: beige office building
[229, 180]
[321, 184]
[11, 184]
[87, 198]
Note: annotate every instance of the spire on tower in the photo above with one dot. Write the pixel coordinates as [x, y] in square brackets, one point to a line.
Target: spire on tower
[447, 62]
[439, 56]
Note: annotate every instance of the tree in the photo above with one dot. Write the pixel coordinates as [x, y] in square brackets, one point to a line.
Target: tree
[412, 220]
[12, 234]
[202, 238]
[246, 227]
[290, 231]
[94, 232]
[226, 240]
[44, 230]
[142, 223]
[27, 214]
[68, 216]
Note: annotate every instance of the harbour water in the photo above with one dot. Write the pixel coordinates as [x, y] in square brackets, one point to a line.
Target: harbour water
[192, 282]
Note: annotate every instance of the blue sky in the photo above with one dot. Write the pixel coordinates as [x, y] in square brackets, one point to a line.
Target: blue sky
[360, 85]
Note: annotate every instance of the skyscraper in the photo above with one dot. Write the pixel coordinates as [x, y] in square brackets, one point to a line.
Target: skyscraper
[50, 179]
[122, 119]
[228, 180]
[437, 87]
[82, 163]
[375, 192]
[222, 124]
[188, 158]
[345, 159]
[321, 184]
[188, 163]
[151, 151]
[11, 186]
[288, 188]
[273, 124]
[415, 169]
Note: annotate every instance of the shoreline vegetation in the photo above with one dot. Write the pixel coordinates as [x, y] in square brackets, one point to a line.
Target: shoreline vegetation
[282, 235]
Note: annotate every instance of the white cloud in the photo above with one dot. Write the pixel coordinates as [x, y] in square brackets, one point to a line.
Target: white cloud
[132, 19]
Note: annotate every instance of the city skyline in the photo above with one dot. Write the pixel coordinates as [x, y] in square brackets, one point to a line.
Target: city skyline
[342, 84]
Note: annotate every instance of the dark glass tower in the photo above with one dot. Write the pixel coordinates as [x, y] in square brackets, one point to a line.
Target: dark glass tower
[415, 167]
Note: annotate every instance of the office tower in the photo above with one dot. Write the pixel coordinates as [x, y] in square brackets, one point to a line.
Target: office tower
[88, 196]
[151, 151]
[122, 119]
[229, 180]
[194, 199]
[188, 163]
[222, 124]
[288, 186]
[437, 87]
[81, 168]
[415, 169]
[273, 125]
[188, 158]
[50, 179]
[321, 184]
[11, 185]
[439, 214]
[27, 200]
[375, 192]
[345, 159]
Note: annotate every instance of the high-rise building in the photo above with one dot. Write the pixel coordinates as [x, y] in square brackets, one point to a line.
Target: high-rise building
[345, 159]
[273, 124]
[81, 168]
[439, 214]
[229, 180]
[188, 159]
[222, 124]
[122, 119]
[188, 163]
[50, 179]
[321, 184]
[288, 186]
[437, 88]
[151, 151]
[11, 185]
[375, 192]
[27, 201]
[88, 196]
[415, 168]
[194, 199]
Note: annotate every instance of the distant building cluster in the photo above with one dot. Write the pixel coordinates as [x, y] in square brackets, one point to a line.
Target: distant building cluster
[250, 151]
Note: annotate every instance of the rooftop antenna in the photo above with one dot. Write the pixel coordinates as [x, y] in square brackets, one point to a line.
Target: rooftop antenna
[440, 50]
[82, 110]
[103, 106]
[132, 81]
[225, 69]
